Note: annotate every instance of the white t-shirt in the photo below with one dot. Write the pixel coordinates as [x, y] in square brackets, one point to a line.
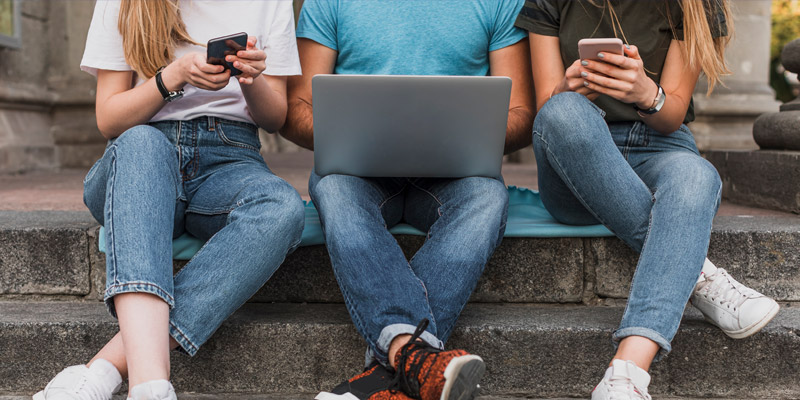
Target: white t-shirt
[272, 22]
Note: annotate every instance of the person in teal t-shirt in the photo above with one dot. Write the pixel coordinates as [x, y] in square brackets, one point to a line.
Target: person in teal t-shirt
[406, 310]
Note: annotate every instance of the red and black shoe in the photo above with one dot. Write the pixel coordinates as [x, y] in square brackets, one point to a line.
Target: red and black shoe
[375, 383]
[427, 373]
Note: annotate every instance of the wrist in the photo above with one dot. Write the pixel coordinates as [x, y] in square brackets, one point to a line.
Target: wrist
[172, 76]
[649, 97]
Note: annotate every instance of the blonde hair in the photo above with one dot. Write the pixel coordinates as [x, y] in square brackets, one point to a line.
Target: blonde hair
[699, 47]
[151, 30]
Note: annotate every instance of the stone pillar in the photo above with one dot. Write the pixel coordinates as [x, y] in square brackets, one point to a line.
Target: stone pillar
[770, 177]
[725, 119]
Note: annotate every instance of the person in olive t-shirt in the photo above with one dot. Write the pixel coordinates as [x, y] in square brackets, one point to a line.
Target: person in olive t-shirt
[611, 147]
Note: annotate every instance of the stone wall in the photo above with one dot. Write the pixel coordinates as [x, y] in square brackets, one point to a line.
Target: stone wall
[46, 102]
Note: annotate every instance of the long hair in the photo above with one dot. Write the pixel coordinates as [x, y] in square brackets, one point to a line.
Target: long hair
[699, 47]
[151, 30]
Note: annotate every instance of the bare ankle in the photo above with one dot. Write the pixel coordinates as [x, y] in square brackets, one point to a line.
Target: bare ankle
[398, 342]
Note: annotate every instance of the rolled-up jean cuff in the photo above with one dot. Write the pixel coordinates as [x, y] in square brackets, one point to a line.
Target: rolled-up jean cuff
[663, 343]
[184, 343]
[135, 287]
[388, 334]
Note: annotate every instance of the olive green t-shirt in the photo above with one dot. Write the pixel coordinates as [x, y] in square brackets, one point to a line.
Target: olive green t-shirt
[649, 24]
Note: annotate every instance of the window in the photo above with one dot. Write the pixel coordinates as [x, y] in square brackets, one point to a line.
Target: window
[10, 23]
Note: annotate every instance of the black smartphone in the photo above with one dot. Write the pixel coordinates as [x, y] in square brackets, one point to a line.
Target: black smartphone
[220, 47]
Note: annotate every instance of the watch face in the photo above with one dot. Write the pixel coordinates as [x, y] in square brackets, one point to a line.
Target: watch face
[174, 96]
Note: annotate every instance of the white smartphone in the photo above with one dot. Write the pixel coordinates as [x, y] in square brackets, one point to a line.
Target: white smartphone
[588, 48]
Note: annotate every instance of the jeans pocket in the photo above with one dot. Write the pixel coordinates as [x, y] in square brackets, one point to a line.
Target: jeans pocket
[245, 136]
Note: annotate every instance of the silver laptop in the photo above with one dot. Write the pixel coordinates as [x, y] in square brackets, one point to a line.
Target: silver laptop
[410, 126]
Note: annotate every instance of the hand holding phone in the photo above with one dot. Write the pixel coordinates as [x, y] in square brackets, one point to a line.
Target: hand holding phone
[617, 71]
[588, 49]
[221, 47]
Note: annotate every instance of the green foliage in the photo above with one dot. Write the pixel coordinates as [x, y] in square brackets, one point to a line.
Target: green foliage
[785, 24]
[785, 28]
[7, 17]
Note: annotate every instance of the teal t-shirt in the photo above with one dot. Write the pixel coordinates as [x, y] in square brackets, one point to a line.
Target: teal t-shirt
[411, 37]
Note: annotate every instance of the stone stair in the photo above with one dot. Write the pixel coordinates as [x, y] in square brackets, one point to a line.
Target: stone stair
[542, 317]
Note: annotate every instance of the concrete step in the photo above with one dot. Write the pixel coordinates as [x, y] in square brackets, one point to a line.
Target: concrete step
[53, 255]
[310, 396]
[537, 351]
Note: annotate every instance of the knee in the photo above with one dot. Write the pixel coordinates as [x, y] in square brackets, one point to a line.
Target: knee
[695, 183]
[337, 192]
[567, 119]
[281, 210]
[485, 201]
[142, 143]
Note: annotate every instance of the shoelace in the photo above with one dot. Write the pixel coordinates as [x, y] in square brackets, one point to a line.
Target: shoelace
[623, 388]
[93, 391]
[409, 382]
[728, 290]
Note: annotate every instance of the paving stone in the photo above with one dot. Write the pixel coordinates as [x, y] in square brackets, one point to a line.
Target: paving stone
[530, 350]
[760, 252]
[44, 253]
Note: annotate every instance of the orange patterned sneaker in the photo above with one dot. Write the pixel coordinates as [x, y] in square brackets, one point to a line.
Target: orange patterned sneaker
[373, 384]
[427, 373]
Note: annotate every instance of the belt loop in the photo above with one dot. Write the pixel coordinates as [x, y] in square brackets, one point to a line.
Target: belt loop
[211, 123]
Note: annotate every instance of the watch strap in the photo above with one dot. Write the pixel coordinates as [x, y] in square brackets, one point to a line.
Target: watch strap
[160, 84]
[166, 93]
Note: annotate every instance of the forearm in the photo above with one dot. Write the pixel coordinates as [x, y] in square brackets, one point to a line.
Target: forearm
[519, 129]
[125, 110]
[120, 107]
[299, 127]
[267, 107]
[670, 117]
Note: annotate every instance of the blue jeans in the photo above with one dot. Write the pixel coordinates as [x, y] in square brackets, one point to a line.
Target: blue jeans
[386, 294]
[206, 177]
[653, 191]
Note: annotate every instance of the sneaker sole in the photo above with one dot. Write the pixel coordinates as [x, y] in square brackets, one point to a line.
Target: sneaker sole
[331, 396]
[753, 329]
[39, 396]
[462, 377]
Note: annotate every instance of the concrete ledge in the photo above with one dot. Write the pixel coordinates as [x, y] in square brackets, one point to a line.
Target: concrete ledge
[55, 253]
[762, 178]
[535, 351]
[308, 396]
[759, 251]
[44, 253]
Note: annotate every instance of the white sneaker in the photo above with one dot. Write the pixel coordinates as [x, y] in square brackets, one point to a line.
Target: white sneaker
[153, 390]
[736, 309]
[623, 381]
[98, 382]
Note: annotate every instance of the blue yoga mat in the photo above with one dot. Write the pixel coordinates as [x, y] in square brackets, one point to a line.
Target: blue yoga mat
[527, 217]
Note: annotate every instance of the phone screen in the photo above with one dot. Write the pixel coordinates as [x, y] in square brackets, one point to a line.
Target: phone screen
[223, 46]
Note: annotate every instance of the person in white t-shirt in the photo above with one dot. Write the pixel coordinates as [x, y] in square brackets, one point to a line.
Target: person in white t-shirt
[182, 156]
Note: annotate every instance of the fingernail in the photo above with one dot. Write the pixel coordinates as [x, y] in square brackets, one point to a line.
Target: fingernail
[585, 83]
[600, 55]
[584, 74]
[627, 47]
[584, 63]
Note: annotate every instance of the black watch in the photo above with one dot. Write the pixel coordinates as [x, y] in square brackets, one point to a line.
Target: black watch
[658, 102]
[165, 93]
